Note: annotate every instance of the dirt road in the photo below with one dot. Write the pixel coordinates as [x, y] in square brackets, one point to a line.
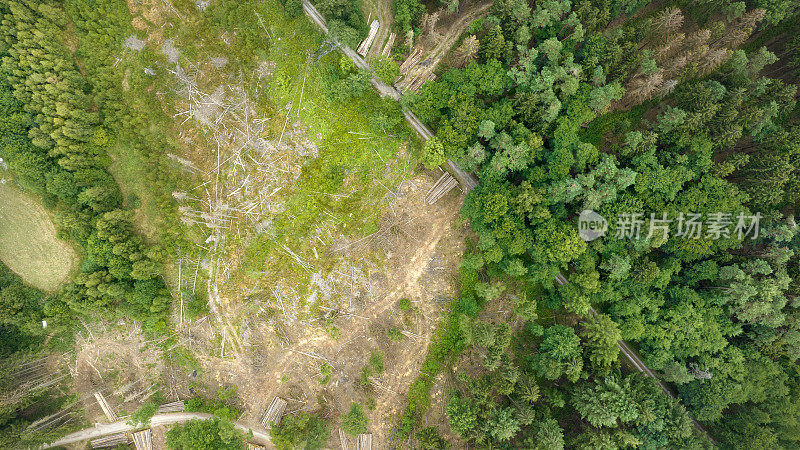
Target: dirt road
[259, 435]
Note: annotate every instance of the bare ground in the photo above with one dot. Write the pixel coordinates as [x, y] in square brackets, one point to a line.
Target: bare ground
[247, 341]
[117, 361]
[419, 258]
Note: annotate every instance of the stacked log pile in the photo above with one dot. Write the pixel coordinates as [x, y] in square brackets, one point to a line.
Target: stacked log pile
[443, 185]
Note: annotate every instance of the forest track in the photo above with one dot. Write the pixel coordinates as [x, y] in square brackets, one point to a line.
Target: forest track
[259, 435]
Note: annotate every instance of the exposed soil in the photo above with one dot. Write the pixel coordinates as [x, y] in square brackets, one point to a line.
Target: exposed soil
[117, 361]
[246, 341]
[419, 258]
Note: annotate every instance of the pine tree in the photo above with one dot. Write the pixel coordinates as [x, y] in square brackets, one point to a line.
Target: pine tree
[601, 335]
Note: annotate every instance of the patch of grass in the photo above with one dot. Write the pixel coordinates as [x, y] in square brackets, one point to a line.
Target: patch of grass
[376, 361]
[29, 245]
[334, 332]
[395, 334]
[366, 372]
[404, 304]
[226, 393]
[346, 182]
[195, 305]
[326, 371]
[130, 173]
[185, 358]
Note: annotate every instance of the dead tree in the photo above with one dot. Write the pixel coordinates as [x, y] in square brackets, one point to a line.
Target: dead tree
[467, 50]
[668, 20]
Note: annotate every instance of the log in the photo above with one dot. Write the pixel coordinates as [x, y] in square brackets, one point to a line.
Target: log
[367, 43]
[412, 59]
[143, 440]
[443, 185]
[364, 442]
[275, 411]
[449, 186]
[110, 414]
[387, 48]
[178, 406]
[112, 440]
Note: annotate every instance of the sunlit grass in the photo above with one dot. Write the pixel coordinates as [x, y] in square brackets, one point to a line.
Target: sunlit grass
[353, 160]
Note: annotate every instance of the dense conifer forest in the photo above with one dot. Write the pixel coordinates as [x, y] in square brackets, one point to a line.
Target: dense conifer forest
[627, 110]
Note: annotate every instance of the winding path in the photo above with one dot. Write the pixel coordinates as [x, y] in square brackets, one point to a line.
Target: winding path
[259, 435]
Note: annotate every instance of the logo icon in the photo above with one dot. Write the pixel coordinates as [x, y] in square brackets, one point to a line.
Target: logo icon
[591, 225]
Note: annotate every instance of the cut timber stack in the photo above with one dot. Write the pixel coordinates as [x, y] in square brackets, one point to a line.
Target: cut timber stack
[171, 407]
[275, 411]
[445, 184]
[411, 61]
[112, 440]
[343, 439]
[251, 446]
[388, 47]
[415, 71]
[417, 82]
[367, 43]
[143, 440]
[364, 442]
[112, 417]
